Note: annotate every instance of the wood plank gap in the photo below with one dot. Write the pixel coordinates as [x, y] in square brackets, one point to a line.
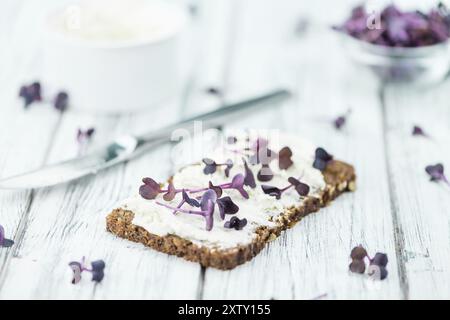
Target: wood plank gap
[399, 237]
[201, 284]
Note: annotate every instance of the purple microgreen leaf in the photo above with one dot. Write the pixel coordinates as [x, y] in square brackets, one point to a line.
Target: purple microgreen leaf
[357, 266]
[358, 253]
[320, 164]
[380, 259]
[27, 99]
[377, 272]
[322, 154]
[436, 173]
[209, 195]
[30, 93]
[4, 242]
[90, 132]
[226, 206]
[192, 202]
[77, 268]
[231, 140]
[238, 184]
[249, 178]
[209, 198]
[2, 235]
[377, 265]
[418, 131]
[97, 270]
[61, 102]
[150, 189]
[229, 165]
[218, 190]
[210, 166]
[271, 191]
[209, 215]
[7, 243]
[236, 223]
[396, 28]
[284, 158]
[171, 192]
[302, 189]
[207, 204]
[293, 181]
[322, 158]
[84, 136]
[341, 120]
[265, 173]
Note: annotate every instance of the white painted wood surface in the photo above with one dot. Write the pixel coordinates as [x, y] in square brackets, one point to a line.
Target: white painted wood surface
[243, 48]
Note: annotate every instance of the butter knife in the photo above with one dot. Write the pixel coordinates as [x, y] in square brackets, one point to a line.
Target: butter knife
[127, 147]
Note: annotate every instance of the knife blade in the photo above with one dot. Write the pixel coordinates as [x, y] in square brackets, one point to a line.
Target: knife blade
[127, 147]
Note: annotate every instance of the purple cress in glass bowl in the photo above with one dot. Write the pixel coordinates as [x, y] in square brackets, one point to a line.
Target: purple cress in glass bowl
[400, 45]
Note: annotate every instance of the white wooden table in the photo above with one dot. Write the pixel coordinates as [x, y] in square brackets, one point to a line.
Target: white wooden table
[243, 48]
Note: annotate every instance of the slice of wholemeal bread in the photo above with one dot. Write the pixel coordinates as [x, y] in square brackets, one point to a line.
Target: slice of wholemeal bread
[338, 177]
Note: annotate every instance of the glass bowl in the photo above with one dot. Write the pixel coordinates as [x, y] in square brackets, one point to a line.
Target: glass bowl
[421, 65]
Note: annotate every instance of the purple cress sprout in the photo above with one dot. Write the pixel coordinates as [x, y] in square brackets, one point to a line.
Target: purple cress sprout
[322, 158]
[265, 173]
[236, 183]
[61, 102]
[236, 223]
[436, 173]
[226, 206]
[207, 203]
[30, 93]
[377, 265]
[301, 188]
[84, 136]
[97, 270]
[211, 166]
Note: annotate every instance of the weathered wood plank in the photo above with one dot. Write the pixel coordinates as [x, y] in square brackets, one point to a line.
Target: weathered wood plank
[420, 208]
[312, 258]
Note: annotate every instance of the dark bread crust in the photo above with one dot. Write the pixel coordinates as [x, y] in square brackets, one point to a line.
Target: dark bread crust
[339, 177]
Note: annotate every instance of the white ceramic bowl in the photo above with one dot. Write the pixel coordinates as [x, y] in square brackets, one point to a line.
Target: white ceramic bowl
[114, 75]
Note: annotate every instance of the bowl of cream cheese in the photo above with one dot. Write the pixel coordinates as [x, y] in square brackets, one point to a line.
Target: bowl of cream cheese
[114, 56]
